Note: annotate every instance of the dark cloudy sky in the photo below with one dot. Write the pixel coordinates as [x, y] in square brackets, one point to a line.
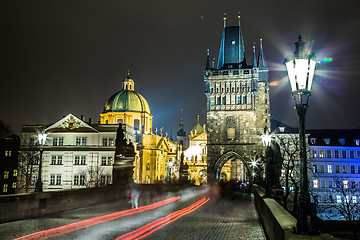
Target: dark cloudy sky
[60, 57]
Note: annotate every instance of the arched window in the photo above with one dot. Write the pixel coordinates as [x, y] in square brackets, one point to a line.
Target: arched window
[136, 124]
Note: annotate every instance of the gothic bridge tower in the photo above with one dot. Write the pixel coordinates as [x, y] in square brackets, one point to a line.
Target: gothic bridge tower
[238, 107]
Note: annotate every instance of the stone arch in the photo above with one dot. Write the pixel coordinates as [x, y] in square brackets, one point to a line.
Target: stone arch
[220, 162]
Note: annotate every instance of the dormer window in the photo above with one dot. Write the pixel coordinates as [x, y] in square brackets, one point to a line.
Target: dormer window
[282, 129]
[357, 142]
[327, 141]
[342, 141]
[312, 140]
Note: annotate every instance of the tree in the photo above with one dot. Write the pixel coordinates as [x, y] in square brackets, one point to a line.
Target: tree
[93, 175]
[344, 200]
[5, 130]
[28, 158]
[290, 153]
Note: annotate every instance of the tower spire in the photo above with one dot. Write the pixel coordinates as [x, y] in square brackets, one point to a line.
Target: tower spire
[224, 20]
[239, 18]
[207, 67]
[254, 57]
[181, 131]
[261, 61]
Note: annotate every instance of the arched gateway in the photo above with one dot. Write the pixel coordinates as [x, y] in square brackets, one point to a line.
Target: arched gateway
[239, 167]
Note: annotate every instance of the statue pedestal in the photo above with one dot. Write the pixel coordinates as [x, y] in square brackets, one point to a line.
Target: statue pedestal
[123, 170]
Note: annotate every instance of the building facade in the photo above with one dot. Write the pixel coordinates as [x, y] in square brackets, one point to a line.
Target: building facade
[9, 151]
[238, 107]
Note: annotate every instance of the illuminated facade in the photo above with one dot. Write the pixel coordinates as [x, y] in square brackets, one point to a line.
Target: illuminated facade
[335, 160]
[238, 107]
[77, 154]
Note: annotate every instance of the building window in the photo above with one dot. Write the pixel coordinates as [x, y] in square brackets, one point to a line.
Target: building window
[104, 141]
[15, 173]
[316, 183]
[330, 184]
[346, 183]
[329, 168]
[338, 198]
[238, 100]
[34, 179]
[103, 160]
[111, 142]
[353, 184]
[6, 174]
[106, 161]
[7, 153]
[345, 169]
[80, 160]
[14, 185]
[81, 141]
[337, 168]
[352, 154]
[244, 100]
[327, 141]
[321, 154]
[136, 124]
[78, 141]
[358, 154]
[336, 153]
[315, 168]
[314, 153]
[218, 102]
[5, 188]
[328, 153]
[224, 101]
[312, 140]
[342, 141]
[354, 199]
[55, 141]
[343, 154]
[357, 142]
[352, 169]
[323, 184]
[79, 180]
[322, 168]
[58, 141]
[55, 179]
[52, 179]
[56, 160]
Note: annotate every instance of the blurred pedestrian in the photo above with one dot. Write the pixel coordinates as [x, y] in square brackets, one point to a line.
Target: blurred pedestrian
[134, 198]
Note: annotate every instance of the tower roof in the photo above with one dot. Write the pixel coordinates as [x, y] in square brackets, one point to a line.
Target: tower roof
[261, 61]
[232, 50]
[198, 129]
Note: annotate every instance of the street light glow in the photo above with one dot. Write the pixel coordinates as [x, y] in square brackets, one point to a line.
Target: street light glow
[42, 138]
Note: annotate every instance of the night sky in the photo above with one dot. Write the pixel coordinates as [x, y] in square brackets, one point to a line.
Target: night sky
[60, 57]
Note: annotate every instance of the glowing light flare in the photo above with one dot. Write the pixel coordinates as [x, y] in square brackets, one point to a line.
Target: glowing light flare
[92, 221]
[253, 163]
[150, 228]
[274, 84]
[42, 138]
[326, 60]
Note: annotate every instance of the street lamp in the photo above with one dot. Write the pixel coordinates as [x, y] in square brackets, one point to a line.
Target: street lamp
[301, 68]
[266, 140]
[42, 140]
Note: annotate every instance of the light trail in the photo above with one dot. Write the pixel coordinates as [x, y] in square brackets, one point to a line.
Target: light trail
[92, 221]
[161, 222]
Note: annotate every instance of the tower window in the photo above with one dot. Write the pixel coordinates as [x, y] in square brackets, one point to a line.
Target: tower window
[218, 102]
[224, 100]
[233, 42]
[244, 100]
[136, 124]
[238, 100]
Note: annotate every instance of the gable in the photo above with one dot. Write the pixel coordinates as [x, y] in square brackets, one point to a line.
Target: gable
[70, 123]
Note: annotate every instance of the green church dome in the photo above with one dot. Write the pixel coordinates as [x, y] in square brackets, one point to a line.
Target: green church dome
[127, 100]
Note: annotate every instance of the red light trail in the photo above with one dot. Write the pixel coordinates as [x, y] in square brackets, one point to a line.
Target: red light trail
[161, 222]
[92, 221]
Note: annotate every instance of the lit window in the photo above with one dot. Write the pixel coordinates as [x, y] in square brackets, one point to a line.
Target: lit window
[346, 183]
[14, 185]
[6, 174]
[314, 153]
[357, 142]
[316, 183]
[15, 173]
[5, 188]
[321, 154]
[111, 142]
[345, 169]
[315, 168]
[329, 168]
[338, 198]
[354, 199]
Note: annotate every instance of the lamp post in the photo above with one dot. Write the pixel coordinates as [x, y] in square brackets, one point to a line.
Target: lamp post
[300, 68]
[266, 140]
[42, 140]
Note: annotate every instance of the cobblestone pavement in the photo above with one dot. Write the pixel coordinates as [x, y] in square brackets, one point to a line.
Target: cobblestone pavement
[221, 218]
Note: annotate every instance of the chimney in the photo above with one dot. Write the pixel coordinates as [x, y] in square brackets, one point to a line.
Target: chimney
[91, 120]
[82, 118]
